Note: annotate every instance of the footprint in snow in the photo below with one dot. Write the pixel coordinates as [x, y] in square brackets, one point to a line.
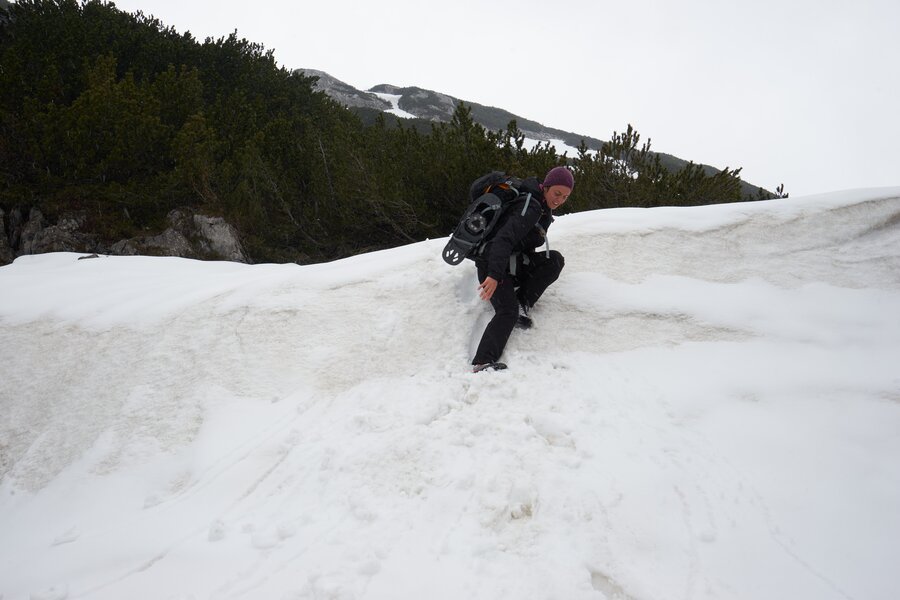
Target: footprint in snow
[522, 501]
[67, 537]
[270, 536]
[554, 433]
[217, 531]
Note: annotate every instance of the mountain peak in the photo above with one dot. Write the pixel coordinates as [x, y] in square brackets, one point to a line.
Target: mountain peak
[438, 107]
[345, 93]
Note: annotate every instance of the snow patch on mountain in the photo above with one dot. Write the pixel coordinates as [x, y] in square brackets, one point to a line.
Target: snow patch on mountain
[394, 100]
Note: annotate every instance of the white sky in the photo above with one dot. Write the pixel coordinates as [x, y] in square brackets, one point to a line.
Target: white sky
[800, 92]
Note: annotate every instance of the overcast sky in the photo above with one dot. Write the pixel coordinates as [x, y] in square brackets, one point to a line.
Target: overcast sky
[800, 92]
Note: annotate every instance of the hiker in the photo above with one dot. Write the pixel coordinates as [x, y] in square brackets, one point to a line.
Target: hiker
[512, 269]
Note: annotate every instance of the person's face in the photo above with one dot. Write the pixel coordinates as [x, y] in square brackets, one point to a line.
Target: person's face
[556, 195]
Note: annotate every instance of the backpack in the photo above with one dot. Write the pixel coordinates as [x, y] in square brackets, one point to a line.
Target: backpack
[488, 198]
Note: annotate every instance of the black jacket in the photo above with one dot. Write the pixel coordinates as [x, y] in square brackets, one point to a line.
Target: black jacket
[521, 228]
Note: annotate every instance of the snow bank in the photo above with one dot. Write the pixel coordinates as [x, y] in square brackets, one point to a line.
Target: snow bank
[707, 407]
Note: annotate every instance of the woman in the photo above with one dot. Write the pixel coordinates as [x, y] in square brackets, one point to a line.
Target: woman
[512, 272]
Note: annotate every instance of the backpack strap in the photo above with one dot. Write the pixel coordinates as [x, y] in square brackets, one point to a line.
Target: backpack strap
[527, 202]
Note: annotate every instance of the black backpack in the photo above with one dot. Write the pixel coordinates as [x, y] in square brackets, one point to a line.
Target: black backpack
[488, 196]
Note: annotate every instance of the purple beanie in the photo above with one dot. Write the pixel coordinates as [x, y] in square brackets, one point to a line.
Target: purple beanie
[559, 176]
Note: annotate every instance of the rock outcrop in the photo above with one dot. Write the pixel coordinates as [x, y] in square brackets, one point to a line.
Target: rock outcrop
[188, 235]
[167, 243]
[6, 252]
[38, 237]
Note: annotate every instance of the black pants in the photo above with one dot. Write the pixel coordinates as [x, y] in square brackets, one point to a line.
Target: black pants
[534, 274]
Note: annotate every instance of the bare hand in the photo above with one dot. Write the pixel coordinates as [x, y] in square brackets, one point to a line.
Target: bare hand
[487, 288]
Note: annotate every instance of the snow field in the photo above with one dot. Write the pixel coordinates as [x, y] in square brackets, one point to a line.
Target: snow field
[707, 407]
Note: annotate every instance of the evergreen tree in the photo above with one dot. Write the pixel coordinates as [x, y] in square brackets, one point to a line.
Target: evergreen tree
[121, 117]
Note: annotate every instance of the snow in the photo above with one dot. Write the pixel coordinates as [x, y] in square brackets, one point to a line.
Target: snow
[395, 109]
[708, 407]
[560, 146]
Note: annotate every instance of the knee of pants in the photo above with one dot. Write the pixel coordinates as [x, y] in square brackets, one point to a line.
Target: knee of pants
[507, 320]
[506, 312]
[557, 259]
[504, 320]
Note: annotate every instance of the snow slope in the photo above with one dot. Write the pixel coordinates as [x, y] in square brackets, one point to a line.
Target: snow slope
[707, 408]
[394, 100]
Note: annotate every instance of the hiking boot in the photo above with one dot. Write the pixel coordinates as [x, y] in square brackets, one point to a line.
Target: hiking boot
[524, 321]
[494, 366]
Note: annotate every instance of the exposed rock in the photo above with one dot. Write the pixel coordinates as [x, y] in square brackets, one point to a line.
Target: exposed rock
[36, 236]
[4, 18]
[6, 253]
[218, 238]
[344, 93]
[181, 220]
[168, 243]
[65, 236]
[425, 104]
[15, 228]
[30, 231]
[189, 236]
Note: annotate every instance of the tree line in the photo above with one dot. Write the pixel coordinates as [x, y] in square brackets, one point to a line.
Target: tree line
[121, 118]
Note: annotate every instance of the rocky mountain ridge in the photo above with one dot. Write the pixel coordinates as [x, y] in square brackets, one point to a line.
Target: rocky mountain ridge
[434, 106]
